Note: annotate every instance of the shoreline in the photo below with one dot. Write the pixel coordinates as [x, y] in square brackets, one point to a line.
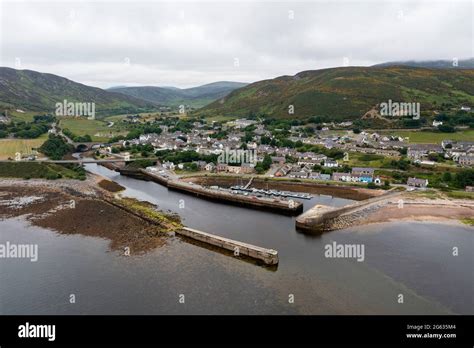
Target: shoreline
[58, 205]
[98, 194]
[129, 224]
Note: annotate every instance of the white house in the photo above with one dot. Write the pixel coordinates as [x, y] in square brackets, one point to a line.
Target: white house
[210, 167]
[330, 163]
[169, 165]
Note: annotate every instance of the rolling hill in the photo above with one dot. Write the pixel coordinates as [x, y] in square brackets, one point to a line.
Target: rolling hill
[346, 93]
[35, 91]
[171, 96]
[432, 64]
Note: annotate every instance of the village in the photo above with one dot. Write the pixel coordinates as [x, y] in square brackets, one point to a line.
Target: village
[332, 155]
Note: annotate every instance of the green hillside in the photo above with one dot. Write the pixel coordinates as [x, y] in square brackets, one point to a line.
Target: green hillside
[346, 93]
[34, 91]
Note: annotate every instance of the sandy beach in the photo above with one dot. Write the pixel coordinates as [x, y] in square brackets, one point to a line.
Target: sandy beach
[421, 212]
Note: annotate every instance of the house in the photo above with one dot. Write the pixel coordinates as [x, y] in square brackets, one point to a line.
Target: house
[415, 182]
[310, 163]
[233, 169]
[278, 160]
[330, 163]
[201, 164]
[362, 174]
[469, 188]
[360, 178]
[210, 167]
[466, 160]
[169, 165]
[222, 167]
[319, 176]
[363, 171]
[283, 171]
[461, 145]
[247, 168]
[325, 176]
[341, 176]
[417, 151]
[302, 175]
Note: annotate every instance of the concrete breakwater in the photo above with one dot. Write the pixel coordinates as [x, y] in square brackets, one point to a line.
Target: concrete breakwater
[268, 256]
[321, 218]
[274, 205]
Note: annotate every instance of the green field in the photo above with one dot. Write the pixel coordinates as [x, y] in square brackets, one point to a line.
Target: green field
[144, 117]
[26, 116]
[8, 147]
[367, 160]
[432, 137]
[98, 130]
[220, 118]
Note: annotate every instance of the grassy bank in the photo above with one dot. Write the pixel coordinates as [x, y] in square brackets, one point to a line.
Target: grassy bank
[468, 221]
[37, 170]
[148, 211]
[431, 137]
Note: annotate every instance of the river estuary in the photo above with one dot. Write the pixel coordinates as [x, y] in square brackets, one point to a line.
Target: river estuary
[412, 259]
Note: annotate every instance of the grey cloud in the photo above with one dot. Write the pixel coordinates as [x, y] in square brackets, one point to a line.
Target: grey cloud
[190, 43]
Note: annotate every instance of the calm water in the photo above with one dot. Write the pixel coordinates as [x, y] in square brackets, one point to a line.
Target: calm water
[413, 259]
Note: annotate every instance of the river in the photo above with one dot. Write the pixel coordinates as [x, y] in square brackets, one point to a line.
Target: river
[411, 259]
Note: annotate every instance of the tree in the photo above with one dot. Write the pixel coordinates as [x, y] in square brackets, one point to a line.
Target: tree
[447, 177]
[371, 185]
[263, 166]
[446, 128]
[464, 178]
[267, 162]
[55, 147]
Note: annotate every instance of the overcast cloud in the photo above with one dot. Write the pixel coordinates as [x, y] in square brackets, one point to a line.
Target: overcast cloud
[184, 44]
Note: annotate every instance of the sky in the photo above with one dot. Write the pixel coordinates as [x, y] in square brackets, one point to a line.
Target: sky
[188, 43]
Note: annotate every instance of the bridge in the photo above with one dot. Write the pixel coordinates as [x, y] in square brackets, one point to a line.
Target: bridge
[84, 146]
[79, 146]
